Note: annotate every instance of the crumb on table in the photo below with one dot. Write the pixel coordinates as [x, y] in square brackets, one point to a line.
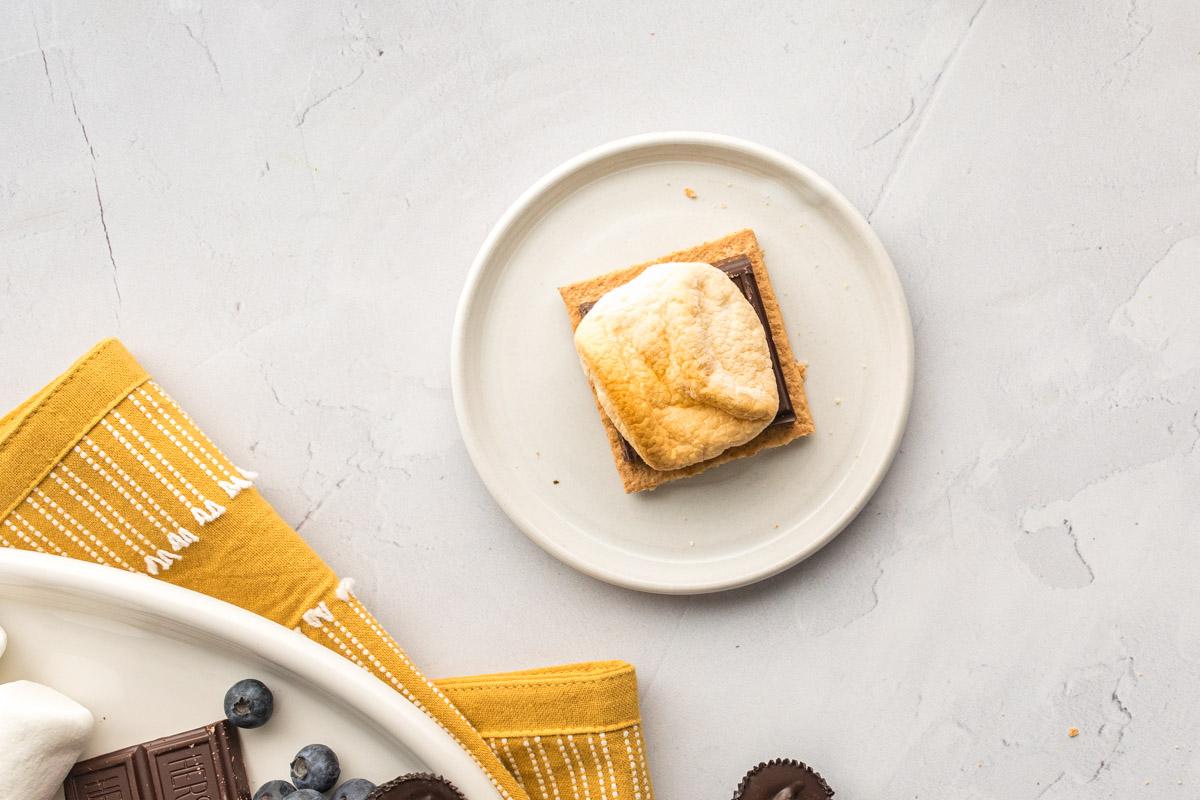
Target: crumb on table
[690, 192]
[1073, 732]
[556, 481]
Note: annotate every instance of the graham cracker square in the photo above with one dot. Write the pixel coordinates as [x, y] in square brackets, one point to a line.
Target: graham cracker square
[636, 476]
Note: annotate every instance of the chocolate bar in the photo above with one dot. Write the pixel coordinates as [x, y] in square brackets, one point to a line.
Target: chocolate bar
[201, 764]
[741, 272]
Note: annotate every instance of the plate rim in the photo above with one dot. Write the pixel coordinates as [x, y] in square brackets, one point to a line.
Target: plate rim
[514, 214]
[317, 666]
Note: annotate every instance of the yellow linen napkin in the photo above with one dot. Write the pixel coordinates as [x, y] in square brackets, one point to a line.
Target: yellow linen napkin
[103, 465]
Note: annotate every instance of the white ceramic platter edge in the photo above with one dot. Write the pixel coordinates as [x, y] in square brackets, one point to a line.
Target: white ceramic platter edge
[128, 609]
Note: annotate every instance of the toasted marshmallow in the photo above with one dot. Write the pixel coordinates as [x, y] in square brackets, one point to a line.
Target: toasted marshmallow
[680, 363]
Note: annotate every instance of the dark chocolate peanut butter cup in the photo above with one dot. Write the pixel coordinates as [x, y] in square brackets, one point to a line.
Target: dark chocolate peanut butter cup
[417, 786]
[783, 779]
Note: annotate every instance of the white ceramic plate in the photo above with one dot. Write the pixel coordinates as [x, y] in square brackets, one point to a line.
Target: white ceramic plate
[529, 421]
[150, 659]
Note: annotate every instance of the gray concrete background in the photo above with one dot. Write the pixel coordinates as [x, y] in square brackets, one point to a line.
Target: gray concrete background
[275, 204]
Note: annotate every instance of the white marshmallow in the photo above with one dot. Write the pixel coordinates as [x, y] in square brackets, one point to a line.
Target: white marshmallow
[41, 736]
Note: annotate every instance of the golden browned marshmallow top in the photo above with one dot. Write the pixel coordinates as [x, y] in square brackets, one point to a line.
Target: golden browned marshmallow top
[680, 364]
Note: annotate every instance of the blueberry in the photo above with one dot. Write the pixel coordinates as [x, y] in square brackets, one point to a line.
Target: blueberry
[274, 790]
[306, 794]
[354, 789]
[315, 767]
[249, 703]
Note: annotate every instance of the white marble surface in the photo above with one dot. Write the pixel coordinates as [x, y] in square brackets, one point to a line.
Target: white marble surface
[274, 204]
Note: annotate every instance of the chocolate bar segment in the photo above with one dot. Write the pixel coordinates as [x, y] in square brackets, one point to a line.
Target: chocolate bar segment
[741, 272]
[201, 764]
[108, 777]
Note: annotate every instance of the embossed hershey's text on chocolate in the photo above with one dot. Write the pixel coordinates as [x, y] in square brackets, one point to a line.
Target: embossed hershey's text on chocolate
[201, 764]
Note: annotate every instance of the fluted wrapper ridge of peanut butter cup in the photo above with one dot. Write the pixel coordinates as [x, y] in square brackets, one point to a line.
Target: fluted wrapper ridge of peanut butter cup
[783, 779]
[417, 786]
